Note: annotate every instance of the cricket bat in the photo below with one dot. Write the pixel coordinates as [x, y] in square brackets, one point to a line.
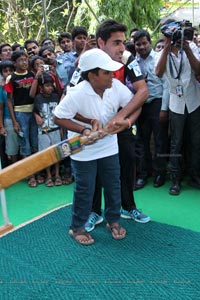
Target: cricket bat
[43, 159]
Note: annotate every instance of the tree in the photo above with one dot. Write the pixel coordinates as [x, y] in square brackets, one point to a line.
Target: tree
[133, 13]
[20, 19]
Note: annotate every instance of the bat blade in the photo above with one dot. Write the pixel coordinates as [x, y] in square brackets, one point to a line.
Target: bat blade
[41, 160]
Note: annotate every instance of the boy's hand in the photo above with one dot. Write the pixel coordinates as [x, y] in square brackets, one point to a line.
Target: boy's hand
[3, 131]
[39, 120]
[16, 127]
[96, 125]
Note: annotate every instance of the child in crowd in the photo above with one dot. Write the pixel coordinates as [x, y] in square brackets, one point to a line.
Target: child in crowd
[20, 105]
[48, 132]
[6, 126]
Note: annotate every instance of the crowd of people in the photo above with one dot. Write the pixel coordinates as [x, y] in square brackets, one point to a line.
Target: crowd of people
[143, 100]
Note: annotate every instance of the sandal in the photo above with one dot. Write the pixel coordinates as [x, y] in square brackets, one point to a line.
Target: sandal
[58, 181]
[117, 231]
[40, 179]
[32, 182]
[67, 179]
[49, 182]
[81, 237]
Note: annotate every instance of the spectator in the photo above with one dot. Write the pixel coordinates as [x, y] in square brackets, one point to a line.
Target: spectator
[20, 105]
[32, 47]
[49, 57]
[149, 119]
[6, 126]
[48, 133]
[79, 37]
[180, 66]
[48, 42]
[65, 61]
[160, 44]
[5, 51]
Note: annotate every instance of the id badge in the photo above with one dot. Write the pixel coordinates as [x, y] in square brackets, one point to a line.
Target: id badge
[179, 90]
[134, 129]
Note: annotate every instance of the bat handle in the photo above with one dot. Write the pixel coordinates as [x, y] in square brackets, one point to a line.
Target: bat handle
[88, 138]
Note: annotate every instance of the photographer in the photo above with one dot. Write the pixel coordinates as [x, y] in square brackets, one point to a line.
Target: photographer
[179, 61]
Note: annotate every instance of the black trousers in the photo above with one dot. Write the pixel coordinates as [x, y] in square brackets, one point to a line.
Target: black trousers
[126, 143]
[185, 127]
[148, 124]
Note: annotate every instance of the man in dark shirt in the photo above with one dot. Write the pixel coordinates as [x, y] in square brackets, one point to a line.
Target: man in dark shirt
[111, 38]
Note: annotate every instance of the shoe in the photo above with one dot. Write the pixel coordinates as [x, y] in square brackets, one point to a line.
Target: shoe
[136, 215]
[159, 180]
[195, 182]
[175, 188]
[140, 183]
[93, 220]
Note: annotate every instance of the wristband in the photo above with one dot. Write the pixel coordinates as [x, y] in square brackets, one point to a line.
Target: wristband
[129, 123]
[85, 129]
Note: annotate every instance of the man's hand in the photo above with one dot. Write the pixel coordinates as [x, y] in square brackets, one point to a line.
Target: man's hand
[116, 125]
[164, 116]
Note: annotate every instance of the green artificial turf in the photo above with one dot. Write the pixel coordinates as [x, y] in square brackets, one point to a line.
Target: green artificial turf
[25, 203]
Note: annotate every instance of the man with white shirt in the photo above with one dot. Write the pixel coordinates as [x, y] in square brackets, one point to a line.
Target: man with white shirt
[179, 61]
[149, 122]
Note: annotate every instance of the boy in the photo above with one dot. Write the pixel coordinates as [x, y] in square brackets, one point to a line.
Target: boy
[6, 127]
[20, 105]
[48, 133]
[65, 61]
[79, 38]
[98, 97]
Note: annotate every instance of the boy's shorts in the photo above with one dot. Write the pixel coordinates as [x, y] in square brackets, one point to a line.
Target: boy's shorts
[48, 139]
[12, 145]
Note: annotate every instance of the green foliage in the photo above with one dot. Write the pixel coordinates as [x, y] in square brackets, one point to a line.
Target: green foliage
[20, 19]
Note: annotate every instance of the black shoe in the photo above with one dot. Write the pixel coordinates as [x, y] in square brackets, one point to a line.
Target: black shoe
[159, 180]
[140, 183]
[175, 188]
[195, 182]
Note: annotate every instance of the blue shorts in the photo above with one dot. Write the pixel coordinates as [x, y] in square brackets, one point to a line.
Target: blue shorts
[28, 139]
[48, 139]
[11, 138]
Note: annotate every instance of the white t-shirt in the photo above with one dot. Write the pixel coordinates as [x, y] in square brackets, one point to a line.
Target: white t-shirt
[84, 100]
[188, 82]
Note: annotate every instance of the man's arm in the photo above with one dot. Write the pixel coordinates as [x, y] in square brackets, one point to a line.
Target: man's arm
[2, 129]
[132, 110]
[12, 114]
[194, 62]
[161, 64]
[137, 101]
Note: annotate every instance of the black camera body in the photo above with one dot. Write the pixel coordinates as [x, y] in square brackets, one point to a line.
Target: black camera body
[178, 30]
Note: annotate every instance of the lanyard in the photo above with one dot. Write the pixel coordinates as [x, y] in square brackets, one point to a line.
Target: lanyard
[172, 64]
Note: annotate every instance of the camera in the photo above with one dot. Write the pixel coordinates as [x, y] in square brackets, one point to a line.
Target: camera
[31, 53]
[178, 30]
[46, 68]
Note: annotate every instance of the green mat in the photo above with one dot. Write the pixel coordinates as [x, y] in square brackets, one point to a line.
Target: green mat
[25, 203]
[155, 261]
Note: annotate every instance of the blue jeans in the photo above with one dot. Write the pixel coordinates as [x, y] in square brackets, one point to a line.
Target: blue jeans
[29, 141]
[85, 178]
